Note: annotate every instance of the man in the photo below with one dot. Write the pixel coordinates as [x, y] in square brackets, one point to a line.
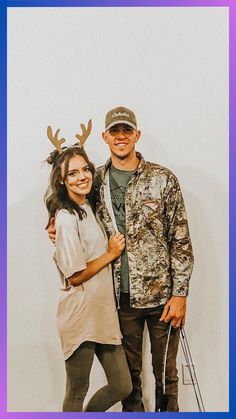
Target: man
[143, 201]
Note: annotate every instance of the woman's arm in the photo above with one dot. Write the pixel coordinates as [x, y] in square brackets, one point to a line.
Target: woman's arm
[116, 245]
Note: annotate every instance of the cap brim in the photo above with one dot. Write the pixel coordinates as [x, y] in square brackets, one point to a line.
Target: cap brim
[121, 121]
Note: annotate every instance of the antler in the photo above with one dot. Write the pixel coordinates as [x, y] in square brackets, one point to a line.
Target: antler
[54, 139]
[86, 132]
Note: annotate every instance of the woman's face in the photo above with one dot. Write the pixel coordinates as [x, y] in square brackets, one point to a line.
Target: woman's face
[78, 180]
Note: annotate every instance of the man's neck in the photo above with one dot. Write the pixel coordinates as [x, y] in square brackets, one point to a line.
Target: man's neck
[128, 164]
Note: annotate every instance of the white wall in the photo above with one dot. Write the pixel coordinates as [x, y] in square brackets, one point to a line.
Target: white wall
[65, 65]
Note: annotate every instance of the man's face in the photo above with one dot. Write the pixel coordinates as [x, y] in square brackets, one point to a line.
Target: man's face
[121, 139]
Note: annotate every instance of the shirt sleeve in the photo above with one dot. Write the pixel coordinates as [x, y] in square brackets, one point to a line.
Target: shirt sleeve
[69, 255]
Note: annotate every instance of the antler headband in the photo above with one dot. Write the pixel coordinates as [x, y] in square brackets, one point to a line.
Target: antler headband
[58, 142]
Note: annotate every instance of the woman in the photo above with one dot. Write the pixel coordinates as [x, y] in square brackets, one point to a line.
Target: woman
[87, 317]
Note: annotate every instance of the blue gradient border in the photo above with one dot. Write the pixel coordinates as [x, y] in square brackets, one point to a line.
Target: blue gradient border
[231, 4]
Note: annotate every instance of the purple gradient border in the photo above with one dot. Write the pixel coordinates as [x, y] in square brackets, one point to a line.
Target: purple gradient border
[231, 4]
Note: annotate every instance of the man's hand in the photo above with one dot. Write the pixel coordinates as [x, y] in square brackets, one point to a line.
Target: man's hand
[175, 311]
[52, 230]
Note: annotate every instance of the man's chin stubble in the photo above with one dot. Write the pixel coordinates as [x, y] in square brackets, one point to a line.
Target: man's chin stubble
[121, 157]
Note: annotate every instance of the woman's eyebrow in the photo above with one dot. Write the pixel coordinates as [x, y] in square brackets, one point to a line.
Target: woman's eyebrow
[76, 170]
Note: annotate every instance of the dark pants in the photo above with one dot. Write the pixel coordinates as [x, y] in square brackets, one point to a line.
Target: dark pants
[132, 322]
[78, 367]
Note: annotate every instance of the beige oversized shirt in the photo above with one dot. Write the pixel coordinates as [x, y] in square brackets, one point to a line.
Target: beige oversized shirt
[86, 312]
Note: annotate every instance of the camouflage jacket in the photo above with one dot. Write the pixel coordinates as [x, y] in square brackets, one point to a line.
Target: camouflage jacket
[157, 236]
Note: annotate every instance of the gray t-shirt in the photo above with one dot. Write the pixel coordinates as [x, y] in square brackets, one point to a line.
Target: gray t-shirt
[86, 312]
[119, 180]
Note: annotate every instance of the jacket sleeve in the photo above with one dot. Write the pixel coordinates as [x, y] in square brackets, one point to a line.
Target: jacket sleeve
[178, 238]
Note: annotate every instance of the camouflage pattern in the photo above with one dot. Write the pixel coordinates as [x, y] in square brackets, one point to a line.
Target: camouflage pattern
[157, 236]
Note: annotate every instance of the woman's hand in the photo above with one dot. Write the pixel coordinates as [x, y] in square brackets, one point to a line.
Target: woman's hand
[116, 245]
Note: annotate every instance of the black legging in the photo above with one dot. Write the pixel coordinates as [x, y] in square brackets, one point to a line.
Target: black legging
[78, 367]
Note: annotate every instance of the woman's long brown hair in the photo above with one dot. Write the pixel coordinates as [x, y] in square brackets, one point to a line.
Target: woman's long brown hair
[56, 196]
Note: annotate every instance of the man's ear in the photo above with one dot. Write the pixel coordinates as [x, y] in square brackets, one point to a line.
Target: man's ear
[104, 136]
[138, 135]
